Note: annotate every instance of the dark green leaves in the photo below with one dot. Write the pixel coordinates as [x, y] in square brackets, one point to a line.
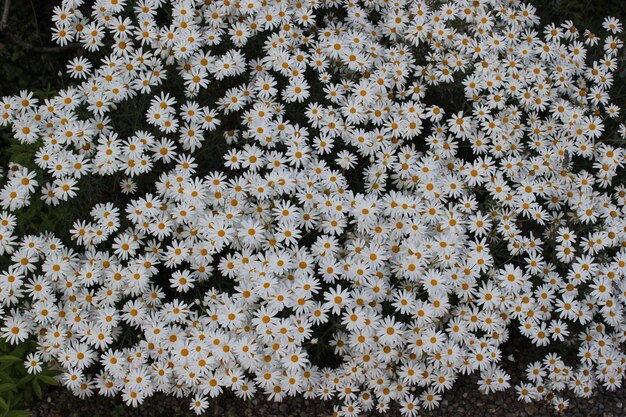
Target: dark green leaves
[18, 388]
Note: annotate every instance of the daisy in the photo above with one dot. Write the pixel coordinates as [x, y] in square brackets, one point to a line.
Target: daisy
[182, 281]
[15, 329]
[430, 399]
[33, 363]
[199, 404]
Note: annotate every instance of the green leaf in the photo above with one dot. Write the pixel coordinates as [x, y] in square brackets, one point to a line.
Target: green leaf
[18, 413]
[37, 388]
[4, 405]
[5, 377]
[21, 158]
[7, 387]
[52, 372]
[48, 380]
[19, 351]
[25, 380]
[9, 359]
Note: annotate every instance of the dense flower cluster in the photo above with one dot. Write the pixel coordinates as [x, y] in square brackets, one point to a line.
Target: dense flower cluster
[411, 180]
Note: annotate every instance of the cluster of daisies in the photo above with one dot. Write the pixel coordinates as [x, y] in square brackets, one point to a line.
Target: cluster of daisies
[405, 182]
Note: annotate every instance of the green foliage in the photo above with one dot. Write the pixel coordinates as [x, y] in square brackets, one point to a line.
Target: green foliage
[587, 14]
[18, 388]
[20, 69]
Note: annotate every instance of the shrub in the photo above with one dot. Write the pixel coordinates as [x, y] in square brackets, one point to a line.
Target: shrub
[21, 380]
[402, 182]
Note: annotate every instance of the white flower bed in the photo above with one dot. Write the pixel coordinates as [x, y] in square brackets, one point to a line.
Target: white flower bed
[410, 226]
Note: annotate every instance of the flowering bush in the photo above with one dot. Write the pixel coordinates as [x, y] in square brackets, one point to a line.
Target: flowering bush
[305, 173]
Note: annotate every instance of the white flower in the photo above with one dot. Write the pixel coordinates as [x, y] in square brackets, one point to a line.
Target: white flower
[33, 363]
[15, 329]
